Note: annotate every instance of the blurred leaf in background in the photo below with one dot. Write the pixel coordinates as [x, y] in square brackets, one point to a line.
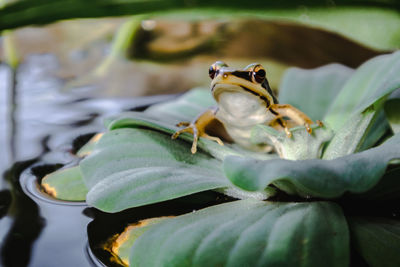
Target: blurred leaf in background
[372, 22]
[191, 35]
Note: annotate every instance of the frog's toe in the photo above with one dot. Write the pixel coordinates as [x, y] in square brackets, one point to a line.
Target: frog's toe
[308, 128]
[175, 135]
[213, 138]
[184, 130]
[195, 138]
[288, 132]
[194, 148]
[219, 141]
[183, 123]
[320, 123]
[190, 129]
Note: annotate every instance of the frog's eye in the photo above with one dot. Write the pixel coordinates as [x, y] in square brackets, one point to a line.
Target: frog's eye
[258, 74]
[212, 71]
[214, 68]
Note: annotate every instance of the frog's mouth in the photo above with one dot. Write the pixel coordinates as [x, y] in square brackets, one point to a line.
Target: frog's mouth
[219, 88]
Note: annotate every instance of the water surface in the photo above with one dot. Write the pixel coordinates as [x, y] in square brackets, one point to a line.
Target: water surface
[38, 123]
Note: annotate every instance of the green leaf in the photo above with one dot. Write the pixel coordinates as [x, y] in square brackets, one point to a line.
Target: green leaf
[248, 233]
[301, 145]
[134, 167]
[122, 245]
[392, 110]
[349, 138]
[361, 131]
[312, 91]
[375, 132]
[65, 184]
[371, 82]
[377, 240]
[356, 173]
[89, 146]
[355, 112]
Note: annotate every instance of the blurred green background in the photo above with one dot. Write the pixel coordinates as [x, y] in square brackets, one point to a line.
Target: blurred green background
[167, 46]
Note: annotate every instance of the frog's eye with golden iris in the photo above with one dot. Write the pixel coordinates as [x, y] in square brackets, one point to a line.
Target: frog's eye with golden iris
[214, 68]
[258, 74]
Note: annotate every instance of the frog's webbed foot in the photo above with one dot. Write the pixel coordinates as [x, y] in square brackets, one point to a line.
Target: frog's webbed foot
[298, 117]
[192, 128]
[197, 128]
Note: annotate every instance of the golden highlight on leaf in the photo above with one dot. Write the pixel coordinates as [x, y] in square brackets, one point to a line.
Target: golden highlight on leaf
[108, 246]
[114, 243]
[65, 184]
[96, 138]
[88, 147]
[49, 189]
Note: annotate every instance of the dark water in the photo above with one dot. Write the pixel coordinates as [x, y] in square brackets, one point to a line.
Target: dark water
[38, 124]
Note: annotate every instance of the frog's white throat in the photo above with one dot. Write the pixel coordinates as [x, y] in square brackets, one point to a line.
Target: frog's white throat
[238, 106]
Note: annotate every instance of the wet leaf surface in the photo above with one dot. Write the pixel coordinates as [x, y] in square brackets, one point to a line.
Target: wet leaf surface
[248, 232]
[356, 173]
[132, 167]
[65, 184]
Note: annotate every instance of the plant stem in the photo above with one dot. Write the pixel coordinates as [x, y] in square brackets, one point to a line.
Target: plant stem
[10, 51]
[12, 60]
[121, 43]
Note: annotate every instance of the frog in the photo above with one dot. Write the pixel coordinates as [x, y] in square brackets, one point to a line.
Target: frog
[244, 99]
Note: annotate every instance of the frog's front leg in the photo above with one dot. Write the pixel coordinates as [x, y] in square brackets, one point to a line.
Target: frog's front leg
[286, 110]
[197, 128]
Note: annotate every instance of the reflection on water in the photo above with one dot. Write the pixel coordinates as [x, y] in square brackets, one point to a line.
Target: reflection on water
[26, 224]
[5, 201]
[34, 231]
[4, 119]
